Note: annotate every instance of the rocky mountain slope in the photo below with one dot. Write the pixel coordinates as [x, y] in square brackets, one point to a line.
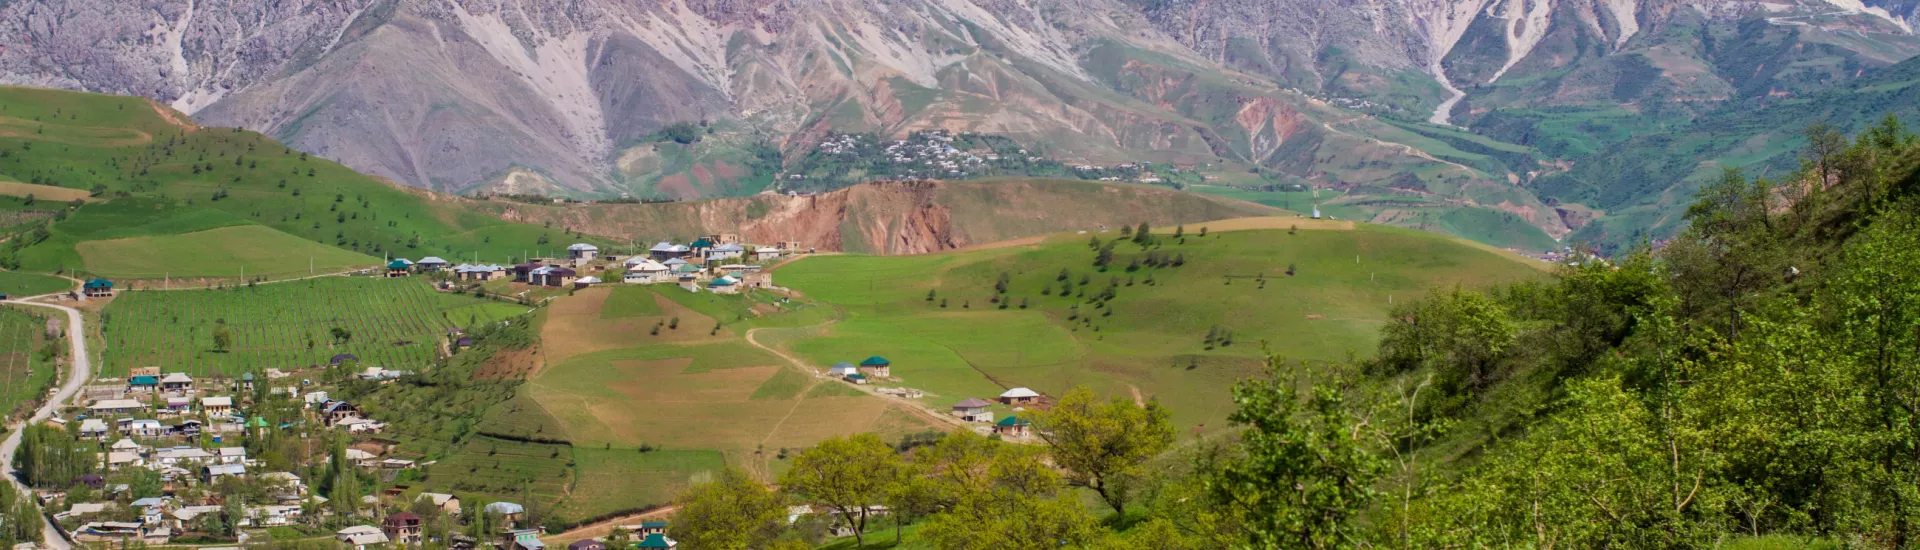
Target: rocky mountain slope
[551, 96]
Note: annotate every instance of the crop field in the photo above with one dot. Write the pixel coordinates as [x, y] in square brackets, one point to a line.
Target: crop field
[18, 284]
[646, 479]
[255, 250]
[391, 323]
[1152, 336]
[22, 375]
[488, 469]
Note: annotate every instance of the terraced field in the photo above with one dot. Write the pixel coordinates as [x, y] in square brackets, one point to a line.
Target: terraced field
[391, 323]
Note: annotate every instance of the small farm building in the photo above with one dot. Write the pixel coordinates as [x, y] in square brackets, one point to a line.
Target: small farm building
[1012, 426]
[1019, 396]
[877, 366]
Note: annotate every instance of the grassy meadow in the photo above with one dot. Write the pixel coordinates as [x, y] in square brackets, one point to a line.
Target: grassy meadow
[617, 375]
[20, 284]
[1152, 336]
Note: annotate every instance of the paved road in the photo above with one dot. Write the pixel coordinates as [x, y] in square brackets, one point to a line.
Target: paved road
[81, 371]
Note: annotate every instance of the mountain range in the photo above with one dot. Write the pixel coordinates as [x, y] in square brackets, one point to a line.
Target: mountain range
[1411, 110]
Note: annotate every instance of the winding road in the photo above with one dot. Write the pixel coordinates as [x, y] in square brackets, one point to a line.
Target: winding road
[80, 371]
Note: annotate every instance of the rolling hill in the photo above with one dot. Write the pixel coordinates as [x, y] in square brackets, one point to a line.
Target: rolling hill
[170, 198]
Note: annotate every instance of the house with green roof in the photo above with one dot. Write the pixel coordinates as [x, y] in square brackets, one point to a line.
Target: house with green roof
[877, 367]
[657, 540]
[98, 288]
[724, 285]
[399, 268]
[1012, 426]
[652, 528]
[857, 378]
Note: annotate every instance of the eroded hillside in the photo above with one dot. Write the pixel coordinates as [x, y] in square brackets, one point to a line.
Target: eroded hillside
[891, 217]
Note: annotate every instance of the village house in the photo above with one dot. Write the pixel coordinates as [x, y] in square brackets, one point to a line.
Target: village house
[645, 271]
[1020, 396]
[98, 288]
[181, 457]
[973, 409]
[230, 455]
[656, 541]
[551, 276]
[699, 247]
[142, 427]
[726, 252]
[524, 272]
[586, 544]
[314, 398]
[585, 282]
[448, 504]
[116, 406]
[724, 285]
[507, 510]
[760, 280]
[361, 536]
[724, 238]
[1012, 426]
[177, 404]
[93, 428]
[651, 528]
[524, 539]
[582, 252]
[273, 515]
[144, 383]
[176, 382]
[430, 264]
[332, 412]
[668, 251]
[216, 406]
[842, 369]
[402, 528]
[689, 281]
[124, 459]
[877, 367]
[399, 267]
[764, 253]
[217, 471]
[479, 272]
[857, 378]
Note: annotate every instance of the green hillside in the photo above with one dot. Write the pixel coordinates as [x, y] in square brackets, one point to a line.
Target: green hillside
[1152, 336]
[152, 175]
[1642, 183]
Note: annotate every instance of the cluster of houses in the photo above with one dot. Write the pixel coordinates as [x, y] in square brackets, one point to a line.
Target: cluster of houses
[171, 425]
[974, 409]
[868, 370]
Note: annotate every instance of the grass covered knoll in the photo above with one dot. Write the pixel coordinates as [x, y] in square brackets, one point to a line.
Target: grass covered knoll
[657, 367]
[1182, 333]
[152, 175]
[397, 324]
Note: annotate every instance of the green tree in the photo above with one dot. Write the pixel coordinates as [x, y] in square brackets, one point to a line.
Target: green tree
[1302, 478]
[731, 512]
[847, 475]
[1104, 446]
[1460, 334]
[222, 337]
